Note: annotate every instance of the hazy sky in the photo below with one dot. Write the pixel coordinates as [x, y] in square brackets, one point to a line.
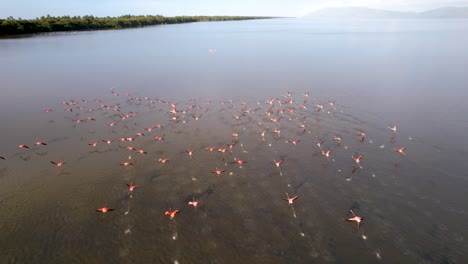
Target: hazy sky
[35, 8]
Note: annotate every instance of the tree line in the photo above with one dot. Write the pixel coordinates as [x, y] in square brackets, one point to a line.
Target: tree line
[12, 26]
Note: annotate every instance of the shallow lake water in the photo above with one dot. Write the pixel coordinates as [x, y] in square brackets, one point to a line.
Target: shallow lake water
[261, 85]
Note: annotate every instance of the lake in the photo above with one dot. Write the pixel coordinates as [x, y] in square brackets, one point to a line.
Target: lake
[261, 85]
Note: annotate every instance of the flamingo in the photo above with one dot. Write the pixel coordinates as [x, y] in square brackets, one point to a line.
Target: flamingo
[104, 209]
[58, 163]
[400, 150]
[290, 199]
[355, 218]
[218, 172]
[131, 187]
[278, 163]
[172, 213]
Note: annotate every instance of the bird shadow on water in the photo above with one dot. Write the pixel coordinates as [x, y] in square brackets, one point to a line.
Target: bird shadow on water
[64, 173]
[207, 192]
[298, 186]
[41, 154]
[355, 206]
[25, 158]
[3, 172]
[155, 176]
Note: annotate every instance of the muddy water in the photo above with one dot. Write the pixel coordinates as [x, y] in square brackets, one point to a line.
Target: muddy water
[406, 73]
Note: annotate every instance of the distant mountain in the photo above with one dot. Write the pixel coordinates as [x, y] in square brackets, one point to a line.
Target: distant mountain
[356, 12]
[364, 12]
[445, 12]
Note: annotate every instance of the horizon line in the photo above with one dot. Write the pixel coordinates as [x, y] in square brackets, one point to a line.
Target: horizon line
[71, 16]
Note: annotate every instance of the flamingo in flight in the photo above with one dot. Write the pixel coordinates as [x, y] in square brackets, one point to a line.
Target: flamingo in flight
[222, 150]
[172, 214]
[163, 160]
[159, 138]
[355, 218]
[193, 202]
[400, 150]
[326, 153]
[93, 144]
[104, 209]
[357, 160]
[319, 144]
[294, 142]
[362, 135]
[239, 161]
[278, 163]
[290, 199]
[218, 172]
[141, 151]
[394, 128]
[131, 187]
[58, 163]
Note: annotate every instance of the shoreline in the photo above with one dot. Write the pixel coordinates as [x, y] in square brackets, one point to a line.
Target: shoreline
[11, 27]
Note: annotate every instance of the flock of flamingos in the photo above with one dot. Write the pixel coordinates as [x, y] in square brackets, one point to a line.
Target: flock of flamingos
[272, 111]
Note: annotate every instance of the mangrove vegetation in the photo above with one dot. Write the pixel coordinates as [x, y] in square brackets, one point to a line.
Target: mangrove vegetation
[12, 26]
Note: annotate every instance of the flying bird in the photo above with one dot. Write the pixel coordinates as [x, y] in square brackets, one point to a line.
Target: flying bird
[104, 209]
[290, 199]
[355, 218]
[171, 213]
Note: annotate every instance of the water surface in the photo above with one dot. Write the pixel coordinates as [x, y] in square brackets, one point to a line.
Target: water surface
[384, 72]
